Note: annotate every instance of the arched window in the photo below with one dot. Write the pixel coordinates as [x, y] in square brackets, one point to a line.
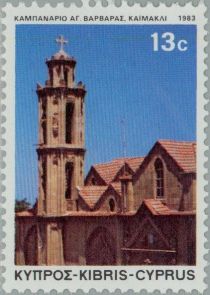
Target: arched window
[111, 205]
[44, 131]
[51, 76]
[66, 76]
[43, 124]
[159, 179]
[69, 122]
[44, 177]
[93, 181]
[150, 238]
[69, 179]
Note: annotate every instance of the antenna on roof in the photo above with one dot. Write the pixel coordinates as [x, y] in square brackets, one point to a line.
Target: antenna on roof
[124, 143]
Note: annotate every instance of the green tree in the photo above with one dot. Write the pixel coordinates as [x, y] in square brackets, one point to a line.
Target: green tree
[22, 205]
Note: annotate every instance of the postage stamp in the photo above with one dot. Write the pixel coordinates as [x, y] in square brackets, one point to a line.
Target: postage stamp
[104, 147]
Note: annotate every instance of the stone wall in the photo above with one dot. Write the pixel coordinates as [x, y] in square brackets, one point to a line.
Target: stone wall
[80, 240]
[145, 185]
[76, 242]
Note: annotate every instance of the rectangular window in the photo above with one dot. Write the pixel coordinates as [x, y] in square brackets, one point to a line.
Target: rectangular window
[66, 76]
[159, 179]
[44, 176]
[43, 124]
[69, 121]
[69, 180]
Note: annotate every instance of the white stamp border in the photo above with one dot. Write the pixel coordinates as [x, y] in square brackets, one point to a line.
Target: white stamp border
[9, 146]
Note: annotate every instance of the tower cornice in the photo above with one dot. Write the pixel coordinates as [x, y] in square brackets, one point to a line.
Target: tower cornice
[43, 149]
[65, 61]
[76, 91]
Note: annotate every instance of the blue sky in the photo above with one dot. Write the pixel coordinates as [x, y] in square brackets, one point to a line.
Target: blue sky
[153, 92]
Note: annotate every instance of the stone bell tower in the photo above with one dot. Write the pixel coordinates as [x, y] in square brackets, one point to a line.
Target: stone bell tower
[61, 136]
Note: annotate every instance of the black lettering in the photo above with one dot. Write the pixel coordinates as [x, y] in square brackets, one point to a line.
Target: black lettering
[159, 273]
[97, 276]
[115, 275]
[40, 274]
[145, 18]
[27, 274]
[182, 277]
[108, 273]
[27, 18]
[138, 276]
[123, 275]
[17, 275]
[190, 274]
[82, 275]
[59, 277]
[68, 275]
[169, 273]
[150, 273]
[47, 273]
[35, 272]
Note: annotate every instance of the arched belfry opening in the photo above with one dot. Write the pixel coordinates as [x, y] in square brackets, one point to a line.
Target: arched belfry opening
[65, 74]
[69, 122]
[44, 123]
[69, 179]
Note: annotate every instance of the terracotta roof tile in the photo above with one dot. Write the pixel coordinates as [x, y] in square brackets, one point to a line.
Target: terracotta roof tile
[117, 187]
[91, 194]
[157, 207]
[109, 170]
[184, 153]
[134, 163]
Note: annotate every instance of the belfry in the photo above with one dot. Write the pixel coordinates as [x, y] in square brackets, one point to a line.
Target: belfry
[61, 136]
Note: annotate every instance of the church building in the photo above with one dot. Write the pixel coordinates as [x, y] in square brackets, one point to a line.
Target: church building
[129, 211]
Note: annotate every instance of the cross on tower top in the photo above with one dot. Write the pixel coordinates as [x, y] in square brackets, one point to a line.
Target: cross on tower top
[62, 41]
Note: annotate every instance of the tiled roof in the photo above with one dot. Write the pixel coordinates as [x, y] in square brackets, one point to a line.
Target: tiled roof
[91, 194]
[157, 207]
[183, 153]
[109, 170]
[134, 163]
[117, 187]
